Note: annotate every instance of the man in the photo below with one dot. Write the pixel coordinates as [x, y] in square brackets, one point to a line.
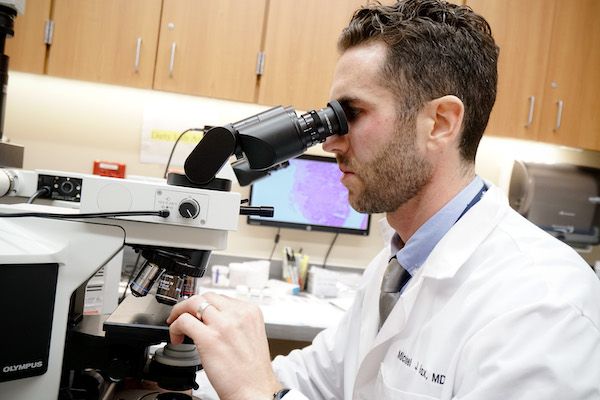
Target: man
[494, 308]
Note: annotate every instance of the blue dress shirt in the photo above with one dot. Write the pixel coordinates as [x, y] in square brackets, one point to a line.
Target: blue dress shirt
[414, 252]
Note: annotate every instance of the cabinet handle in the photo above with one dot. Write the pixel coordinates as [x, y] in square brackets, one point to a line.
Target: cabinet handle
[260, 63]
[138, 51]
[48, 31]
[172, 60]
[531, 109]
[560, 105]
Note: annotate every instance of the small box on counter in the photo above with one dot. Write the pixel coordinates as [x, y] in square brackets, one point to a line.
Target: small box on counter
[109, 168]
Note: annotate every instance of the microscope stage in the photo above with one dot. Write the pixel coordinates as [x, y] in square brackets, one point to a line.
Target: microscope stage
[138, 319]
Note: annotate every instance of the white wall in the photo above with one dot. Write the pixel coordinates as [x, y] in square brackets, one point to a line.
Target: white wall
[66, 125]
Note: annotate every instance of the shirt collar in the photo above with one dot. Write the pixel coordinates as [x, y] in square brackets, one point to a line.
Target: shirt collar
[414, 252]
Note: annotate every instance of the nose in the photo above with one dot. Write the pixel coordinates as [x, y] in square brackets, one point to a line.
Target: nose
[336, 144]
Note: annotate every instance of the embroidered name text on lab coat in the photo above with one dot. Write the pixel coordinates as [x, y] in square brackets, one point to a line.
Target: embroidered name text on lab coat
[407, 360]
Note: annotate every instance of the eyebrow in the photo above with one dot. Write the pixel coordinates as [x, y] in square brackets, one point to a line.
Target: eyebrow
[347, 99]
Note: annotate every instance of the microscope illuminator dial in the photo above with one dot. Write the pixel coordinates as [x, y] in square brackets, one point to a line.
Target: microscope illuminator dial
[189, 208]
[186, 207]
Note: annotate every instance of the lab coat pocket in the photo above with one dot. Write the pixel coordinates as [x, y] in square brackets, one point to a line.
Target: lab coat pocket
[385, 391]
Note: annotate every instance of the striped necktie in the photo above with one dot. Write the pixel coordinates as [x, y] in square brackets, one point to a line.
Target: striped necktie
[394, 279]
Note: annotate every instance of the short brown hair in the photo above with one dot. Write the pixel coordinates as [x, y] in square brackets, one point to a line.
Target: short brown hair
[435, 48]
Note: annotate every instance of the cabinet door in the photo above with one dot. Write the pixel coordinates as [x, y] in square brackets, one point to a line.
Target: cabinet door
[301, 50]
[111, 41]
[209, 48]
[572, 106]
[27, 50]
[522, 31]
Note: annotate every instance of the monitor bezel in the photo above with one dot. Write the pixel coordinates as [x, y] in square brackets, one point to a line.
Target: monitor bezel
[252, 220]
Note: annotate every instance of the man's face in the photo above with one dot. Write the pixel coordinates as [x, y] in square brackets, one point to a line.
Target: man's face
[382, 164]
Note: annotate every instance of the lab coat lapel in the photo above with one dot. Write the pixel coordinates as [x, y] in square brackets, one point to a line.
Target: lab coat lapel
[465, 236]
[374, 344]
[369, 314]
[396, 321]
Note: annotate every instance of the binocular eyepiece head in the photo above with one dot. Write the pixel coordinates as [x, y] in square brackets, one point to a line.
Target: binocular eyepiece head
[264, 140]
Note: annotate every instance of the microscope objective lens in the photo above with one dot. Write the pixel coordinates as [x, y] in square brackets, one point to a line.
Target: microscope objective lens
[144, 280]
[189, 287]
[169, 288]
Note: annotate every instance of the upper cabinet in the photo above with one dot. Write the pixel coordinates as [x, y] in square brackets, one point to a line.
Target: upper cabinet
[548, 70]
[522, 30]
[300, 50]
[27, 49]
[570, 108]
[270, 52]
[210, 48]
[111, 41]
[283, 52]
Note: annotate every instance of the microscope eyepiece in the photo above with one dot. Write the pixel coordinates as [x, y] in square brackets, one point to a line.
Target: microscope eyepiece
[264, 140]
[318, 125]
[275, 136]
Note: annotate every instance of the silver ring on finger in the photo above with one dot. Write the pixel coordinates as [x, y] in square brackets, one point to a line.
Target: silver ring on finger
[202, 307]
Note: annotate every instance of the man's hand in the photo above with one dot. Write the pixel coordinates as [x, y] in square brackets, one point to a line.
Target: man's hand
[232, 343]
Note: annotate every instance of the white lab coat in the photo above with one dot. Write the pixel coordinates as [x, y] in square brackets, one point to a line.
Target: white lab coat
[500, 310]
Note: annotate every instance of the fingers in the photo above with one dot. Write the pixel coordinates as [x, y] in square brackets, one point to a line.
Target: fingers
[219, 301]
[189, 317]
[189, 306]
[187, 325]
[228, 309]
[179, 309]
[230, 337]
[192, 305]
[210, 312]
[202, 308]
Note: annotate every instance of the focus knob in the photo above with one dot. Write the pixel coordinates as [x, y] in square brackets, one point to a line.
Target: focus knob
[189, 208]
[7, 181]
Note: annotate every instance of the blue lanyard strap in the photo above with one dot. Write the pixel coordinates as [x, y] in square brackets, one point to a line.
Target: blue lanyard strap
[477, 197]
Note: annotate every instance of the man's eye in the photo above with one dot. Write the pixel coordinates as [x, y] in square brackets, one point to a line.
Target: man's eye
[351, 112]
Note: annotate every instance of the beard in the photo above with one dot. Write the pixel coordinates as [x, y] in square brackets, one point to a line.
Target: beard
[395, 175]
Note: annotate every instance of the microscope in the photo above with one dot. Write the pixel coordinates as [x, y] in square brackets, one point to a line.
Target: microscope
[49, 349]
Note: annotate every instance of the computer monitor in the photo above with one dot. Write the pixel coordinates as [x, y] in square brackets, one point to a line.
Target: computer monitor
[308, 195]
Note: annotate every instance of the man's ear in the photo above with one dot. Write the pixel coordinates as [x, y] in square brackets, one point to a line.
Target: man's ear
[446, 115]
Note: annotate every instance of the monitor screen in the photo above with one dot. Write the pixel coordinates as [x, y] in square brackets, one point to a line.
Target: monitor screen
[308, 195]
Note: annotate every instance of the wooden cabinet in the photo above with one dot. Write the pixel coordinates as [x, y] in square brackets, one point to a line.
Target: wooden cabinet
[210, 48]
[111, 41]
[548, 70]
[301, 50]
[199, 47]
[571, 105]
[521, 30]
[27, 49]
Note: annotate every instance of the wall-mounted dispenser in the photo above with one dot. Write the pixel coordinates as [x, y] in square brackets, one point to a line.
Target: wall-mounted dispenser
[561, 199]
